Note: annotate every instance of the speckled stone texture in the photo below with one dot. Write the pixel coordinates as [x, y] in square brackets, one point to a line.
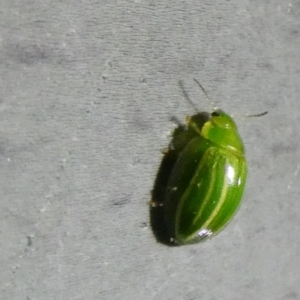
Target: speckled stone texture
[88, 91]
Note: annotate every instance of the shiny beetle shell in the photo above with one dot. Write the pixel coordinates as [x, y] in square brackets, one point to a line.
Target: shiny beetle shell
[206, 185]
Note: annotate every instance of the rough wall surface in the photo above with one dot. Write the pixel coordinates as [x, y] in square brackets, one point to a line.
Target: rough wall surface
[88, 89]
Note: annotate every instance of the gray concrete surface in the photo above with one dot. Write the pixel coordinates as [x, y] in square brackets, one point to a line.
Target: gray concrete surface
[87, 92]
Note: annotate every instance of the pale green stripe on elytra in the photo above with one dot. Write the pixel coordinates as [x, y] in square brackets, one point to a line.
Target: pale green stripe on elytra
[208, 194]
[193, 182]
[219, 205]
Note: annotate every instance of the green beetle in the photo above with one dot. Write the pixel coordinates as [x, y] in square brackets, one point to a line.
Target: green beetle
[206, 184]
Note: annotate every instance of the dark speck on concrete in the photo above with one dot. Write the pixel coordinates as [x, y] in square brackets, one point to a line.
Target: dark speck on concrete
[121, 202]
[29, 241]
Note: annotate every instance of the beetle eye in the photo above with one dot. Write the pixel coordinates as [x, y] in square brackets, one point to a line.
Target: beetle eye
[215, 114]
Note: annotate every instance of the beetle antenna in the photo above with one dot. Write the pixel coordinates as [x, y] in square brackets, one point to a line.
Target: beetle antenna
[252, 116]
[186, 96]
[206, 95]
[257, 115]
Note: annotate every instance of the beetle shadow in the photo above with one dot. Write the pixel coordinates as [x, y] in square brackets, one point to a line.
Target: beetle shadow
[157, 216]
[180, 137]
